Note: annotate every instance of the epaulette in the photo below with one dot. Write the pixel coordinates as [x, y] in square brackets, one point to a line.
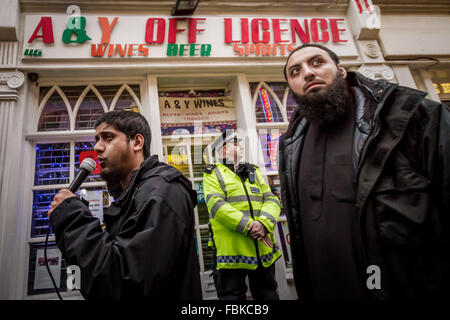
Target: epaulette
[210, 168]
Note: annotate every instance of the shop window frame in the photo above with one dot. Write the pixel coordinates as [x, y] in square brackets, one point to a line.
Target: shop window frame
[267, 127]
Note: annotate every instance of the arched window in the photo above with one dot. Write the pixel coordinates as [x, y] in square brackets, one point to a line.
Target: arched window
[78, 107]
[274, 104]
[268, 107]
[88, 108]
[126, 99]
[54, 110]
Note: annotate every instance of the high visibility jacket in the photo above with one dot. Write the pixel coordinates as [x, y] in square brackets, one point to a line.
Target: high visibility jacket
[232, 206]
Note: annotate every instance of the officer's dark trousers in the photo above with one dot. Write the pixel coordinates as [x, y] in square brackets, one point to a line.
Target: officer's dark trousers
[230, 283]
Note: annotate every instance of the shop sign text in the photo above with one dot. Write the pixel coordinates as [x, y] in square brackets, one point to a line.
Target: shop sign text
[246, 36]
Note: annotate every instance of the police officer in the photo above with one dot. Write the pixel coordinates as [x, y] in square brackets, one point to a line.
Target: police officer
[243, 213]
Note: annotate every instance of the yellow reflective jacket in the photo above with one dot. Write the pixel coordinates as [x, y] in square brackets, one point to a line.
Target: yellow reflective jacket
[232, 206]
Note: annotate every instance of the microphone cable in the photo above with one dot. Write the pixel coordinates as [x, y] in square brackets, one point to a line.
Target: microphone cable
[46, 263]
[87, 166]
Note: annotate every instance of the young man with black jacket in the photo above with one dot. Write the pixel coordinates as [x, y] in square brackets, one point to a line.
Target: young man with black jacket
[147, 250]
[365, 179]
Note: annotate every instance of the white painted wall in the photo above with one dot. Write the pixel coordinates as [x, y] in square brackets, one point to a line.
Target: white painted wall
[404, 76]
[150, 98]
[14, 213]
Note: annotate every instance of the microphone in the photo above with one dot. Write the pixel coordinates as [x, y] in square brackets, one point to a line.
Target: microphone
[86, 167]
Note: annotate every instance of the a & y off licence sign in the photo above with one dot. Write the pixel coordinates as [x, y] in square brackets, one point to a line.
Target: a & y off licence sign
[96, 36]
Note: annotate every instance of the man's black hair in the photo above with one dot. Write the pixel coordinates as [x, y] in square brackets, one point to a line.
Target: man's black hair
[332, 55]
[130, 123]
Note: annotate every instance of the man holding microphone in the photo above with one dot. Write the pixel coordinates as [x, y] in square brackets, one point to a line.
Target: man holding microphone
[147, 250]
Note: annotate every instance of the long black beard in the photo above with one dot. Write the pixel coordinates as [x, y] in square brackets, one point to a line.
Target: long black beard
[325, 107]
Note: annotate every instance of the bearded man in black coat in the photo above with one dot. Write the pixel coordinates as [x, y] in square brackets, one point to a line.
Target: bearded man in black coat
[365, 178]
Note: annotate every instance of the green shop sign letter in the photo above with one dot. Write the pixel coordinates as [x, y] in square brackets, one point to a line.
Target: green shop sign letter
[33, 52]
[75, 25]
[192, 49]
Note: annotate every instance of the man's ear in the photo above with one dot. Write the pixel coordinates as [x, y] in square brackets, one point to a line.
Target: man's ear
[342, 71]
[138, 142]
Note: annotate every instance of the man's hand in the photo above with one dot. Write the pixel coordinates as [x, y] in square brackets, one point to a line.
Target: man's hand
[256, 230]
[62, 195]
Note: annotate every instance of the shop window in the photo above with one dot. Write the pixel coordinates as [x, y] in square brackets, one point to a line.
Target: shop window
[55, 114]
[62, 109]
[273, 105]
[73, 94]
[291, 104]
[269, 139]
[272, 101]
[41, 204]
[196, 112]
[52, 164]
[441, 82]
[83, 150]
[90, 109]
[267, 103]
[109, 92]
[208, 254]
[203, 215]
[38, 279]
[274, 183]
[442, 88]
[177, 156]
[127, 99]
